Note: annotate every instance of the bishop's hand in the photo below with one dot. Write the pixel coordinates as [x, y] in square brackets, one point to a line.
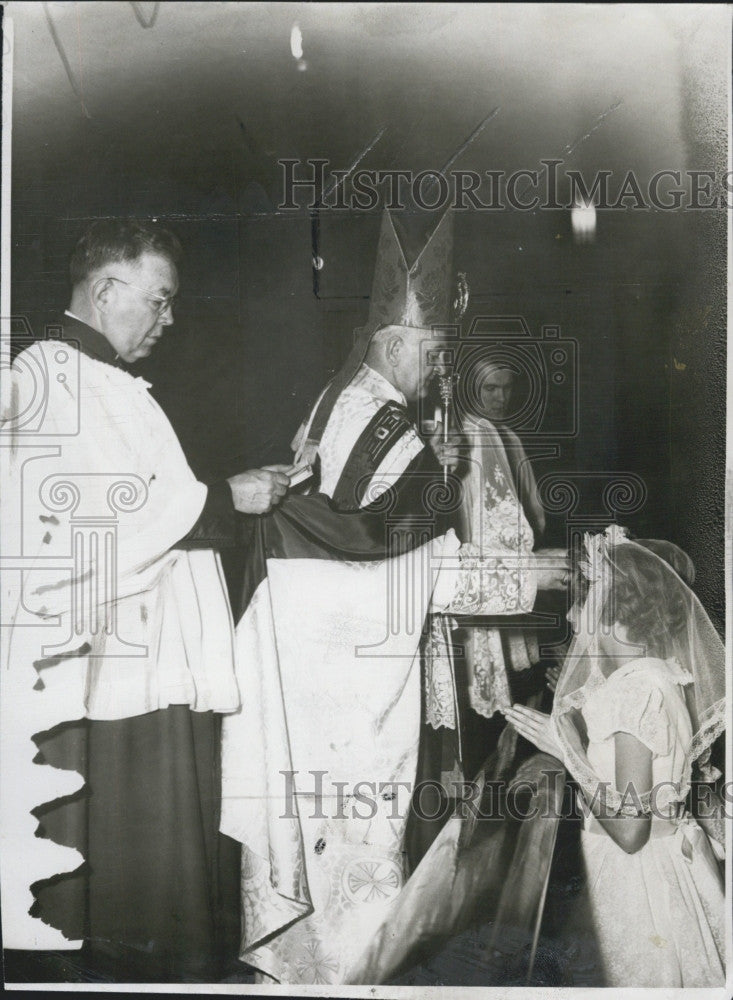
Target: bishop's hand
[448, 453]
[257, 491]
[553, 569]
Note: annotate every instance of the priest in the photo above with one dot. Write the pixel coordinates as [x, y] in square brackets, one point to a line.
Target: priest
[119, 652]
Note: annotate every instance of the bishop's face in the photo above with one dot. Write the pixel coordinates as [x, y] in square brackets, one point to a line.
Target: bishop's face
[415, 368]
[139, 304]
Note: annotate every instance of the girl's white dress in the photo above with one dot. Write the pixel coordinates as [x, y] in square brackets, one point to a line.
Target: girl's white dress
[658, 914]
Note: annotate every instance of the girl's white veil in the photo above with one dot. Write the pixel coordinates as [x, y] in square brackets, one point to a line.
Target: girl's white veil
[631, 603]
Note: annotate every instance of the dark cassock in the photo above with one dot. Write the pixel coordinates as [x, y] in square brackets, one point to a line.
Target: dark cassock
[319, 764]
[120, 663]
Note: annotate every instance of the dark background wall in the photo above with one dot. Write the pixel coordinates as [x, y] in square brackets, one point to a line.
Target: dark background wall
[181, 111]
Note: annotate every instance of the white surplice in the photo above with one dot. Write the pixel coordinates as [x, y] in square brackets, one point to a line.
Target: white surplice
[103, 618]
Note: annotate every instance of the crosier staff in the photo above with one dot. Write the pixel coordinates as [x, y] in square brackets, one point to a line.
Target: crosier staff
[447, 379]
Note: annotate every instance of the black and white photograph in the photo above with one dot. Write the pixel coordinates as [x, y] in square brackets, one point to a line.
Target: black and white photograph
[365, 534]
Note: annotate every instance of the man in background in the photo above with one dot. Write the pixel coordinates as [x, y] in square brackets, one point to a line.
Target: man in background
[501, 510]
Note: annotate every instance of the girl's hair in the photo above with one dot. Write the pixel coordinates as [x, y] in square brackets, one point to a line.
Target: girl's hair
[647, 599]
[651, 602]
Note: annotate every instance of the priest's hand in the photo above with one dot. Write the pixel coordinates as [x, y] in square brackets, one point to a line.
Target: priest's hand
[536, 727]
[553, 569]
[258, 490]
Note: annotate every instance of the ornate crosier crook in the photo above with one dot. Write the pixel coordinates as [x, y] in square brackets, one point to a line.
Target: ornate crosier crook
[460, 302]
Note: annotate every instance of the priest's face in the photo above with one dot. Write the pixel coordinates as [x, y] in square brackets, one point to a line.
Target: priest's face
[138, 304]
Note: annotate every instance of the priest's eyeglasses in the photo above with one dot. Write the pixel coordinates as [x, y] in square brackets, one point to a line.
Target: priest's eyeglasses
[161, 303]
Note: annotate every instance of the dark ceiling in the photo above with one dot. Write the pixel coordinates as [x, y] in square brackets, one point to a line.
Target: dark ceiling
[427, 74]
[181, 111]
